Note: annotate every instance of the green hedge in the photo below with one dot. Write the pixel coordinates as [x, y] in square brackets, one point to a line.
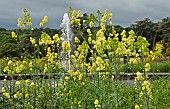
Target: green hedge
[156, 67]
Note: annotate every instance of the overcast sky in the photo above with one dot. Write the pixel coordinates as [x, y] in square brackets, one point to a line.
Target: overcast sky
[125, 12]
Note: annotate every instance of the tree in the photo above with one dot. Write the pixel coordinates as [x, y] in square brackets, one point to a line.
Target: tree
[163, 31]
[146, 28]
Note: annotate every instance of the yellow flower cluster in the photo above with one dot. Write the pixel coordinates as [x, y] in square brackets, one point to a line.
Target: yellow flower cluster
[27, 18]
[3, 89]
[75, 20]
[76, 39]
[51, 56]
[80, 54]
[20, 24]
[89, 32]
[133, 61]
[157, 52]
[106, 16]
[30, 65]
[121, 49]
[126, 46]
[17, 82]
[75, 74]
[45, 68]
[66, 46]
[67, 78]
[146, 86]
[32, 84]
[32, 40]
[90, 40]
[139, 76]
[19, 68]
[100, 63]
[91, 24]
[6, 94]
[27, 21]
[15, 67]
[142, 44]
[9, 68]
[13, 35]
[18, 95]
[147, 67]
[45, 39]
[96, 103]
[137, 107]
[92, 68]
[24, 91]
[100, 42]
[56, 38]
[44, 21]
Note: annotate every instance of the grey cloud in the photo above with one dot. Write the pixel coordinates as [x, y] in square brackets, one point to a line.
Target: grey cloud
[125, 12]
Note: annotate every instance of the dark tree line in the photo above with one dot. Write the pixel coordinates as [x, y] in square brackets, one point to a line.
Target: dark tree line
[22, 46]
[153, 31]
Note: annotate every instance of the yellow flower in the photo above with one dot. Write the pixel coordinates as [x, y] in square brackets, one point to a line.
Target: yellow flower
[103, 27]
[13, 35]
[139, 76]
[76, 53]
[27, 81]
[141, 94]
[65, 46]
[20, 94]
[17, 82]
[89, 32]
[6, 69]
[112, 77]
[32, 40]
[15, 96]
[96, 103]
[26, 95]
[89, 39]
[45, 20]
[56, 38]
[45, 39]
[147, 67]
[110, 16]
[80, 76]
[146, 85]
[3, 89]
[99, 61]
[67, 78]
[45, 68]
[137, 107]
[104, 18]
[110, 23]
[7, 95]
[30, 65]
[10, 62]
[41, 24]
[91, 24]
[76, 40]
[32, 84]
[20, 24]
[79, 102]
[83, 83]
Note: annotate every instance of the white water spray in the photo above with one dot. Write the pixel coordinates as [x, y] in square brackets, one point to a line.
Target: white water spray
[66, 36]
